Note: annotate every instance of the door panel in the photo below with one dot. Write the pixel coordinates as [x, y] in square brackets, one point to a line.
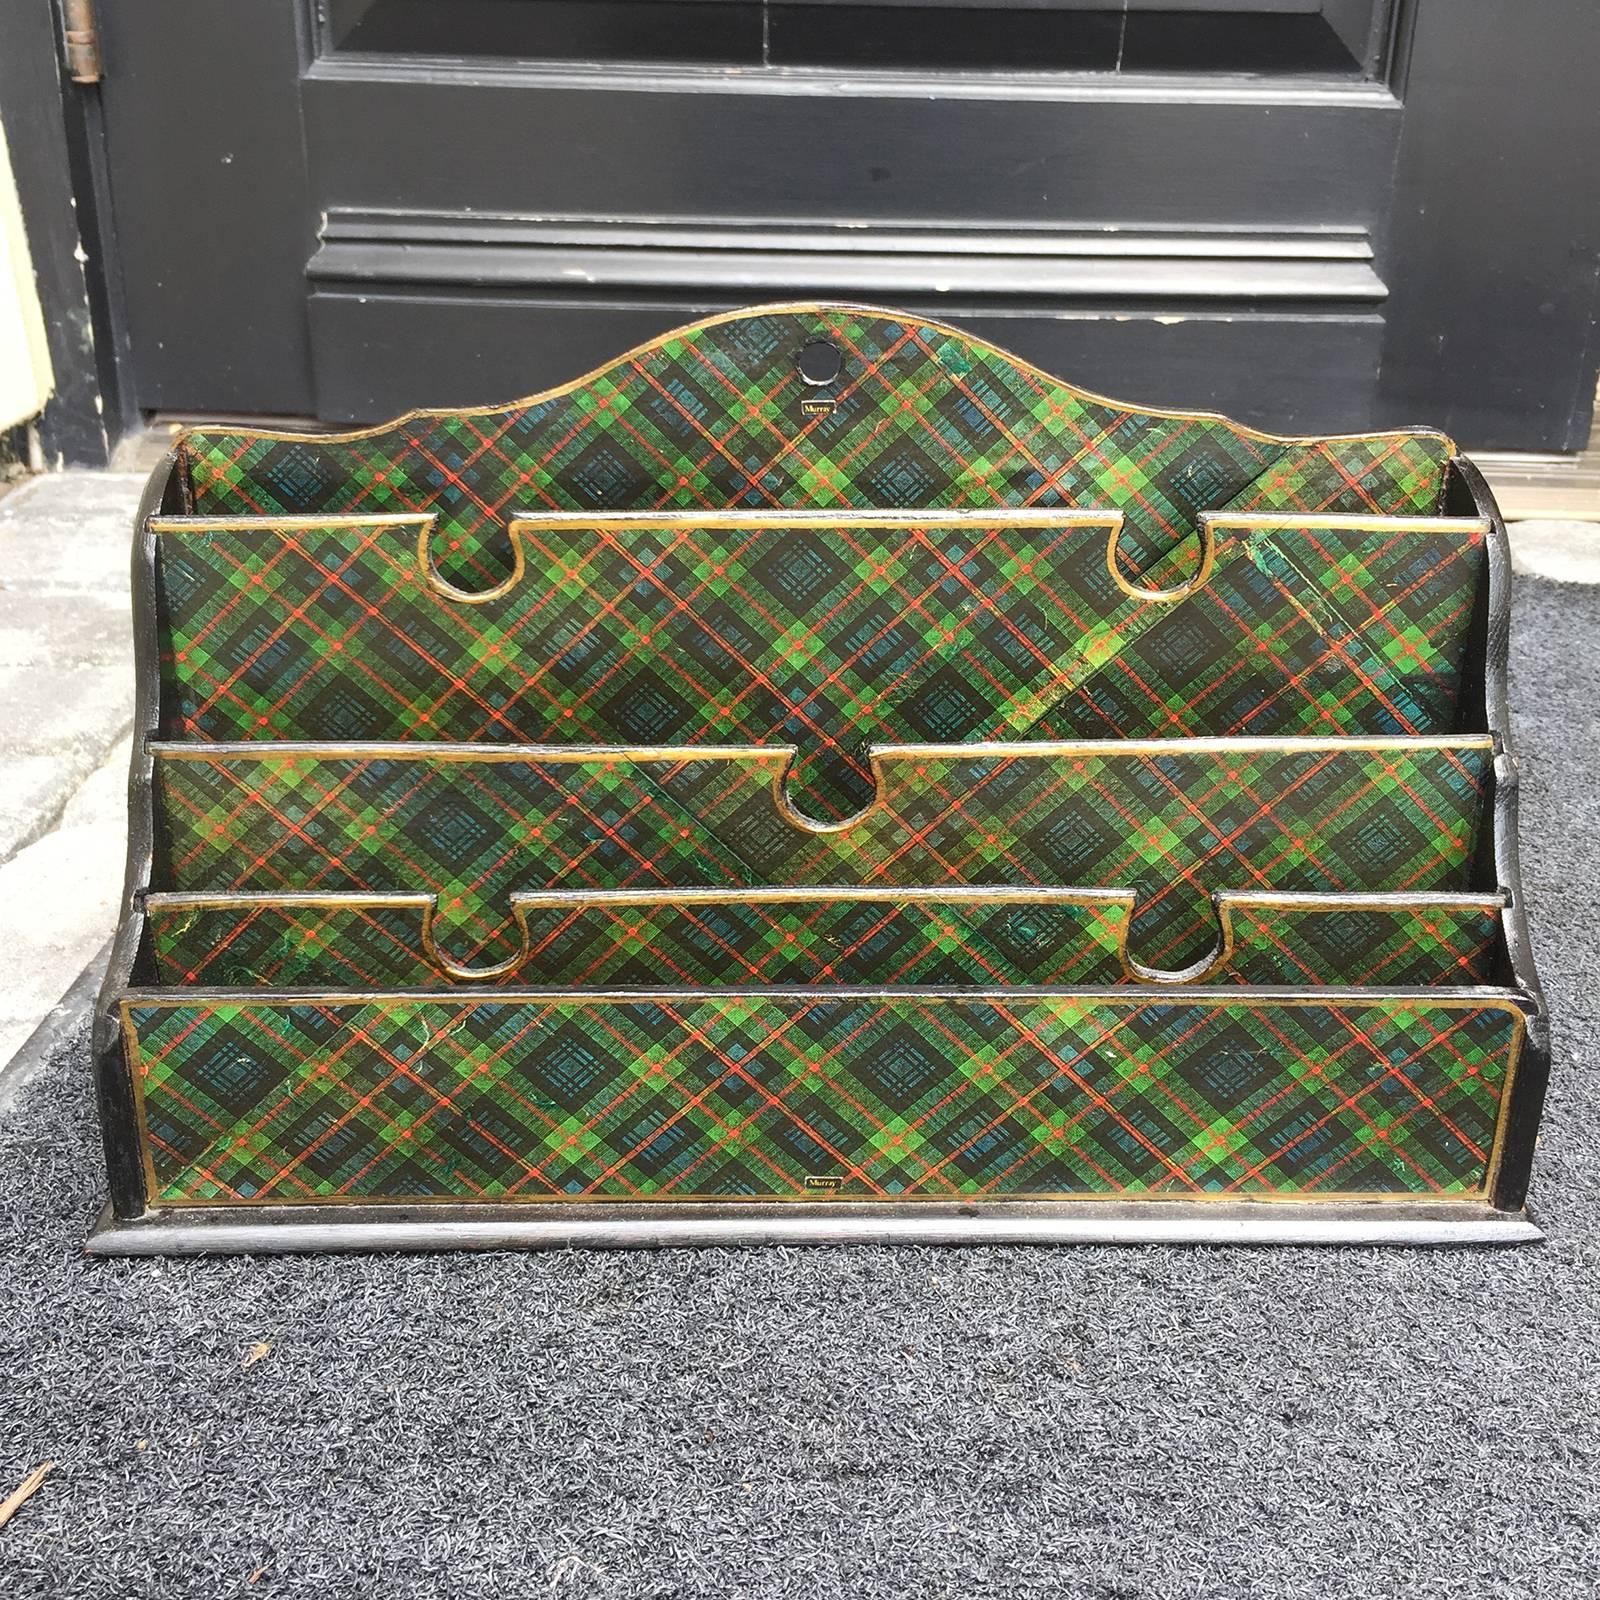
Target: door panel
[379, 354]
[1191, 201]
[214, 219]
[466, 142]
[1497, 222]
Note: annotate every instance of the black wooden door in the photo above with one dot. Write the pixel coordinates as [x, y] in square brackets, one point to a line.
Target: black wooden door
[1312, 214]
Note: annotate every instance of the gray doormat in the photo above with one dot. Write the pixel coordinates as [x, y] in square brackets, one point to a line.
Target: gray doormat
[856, 1423]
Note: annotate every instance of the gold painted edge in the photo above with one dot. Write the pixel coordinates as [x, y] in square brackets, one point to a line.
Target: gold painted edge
[766, 754]
[1343, 522]
[761, 755]
[273, 522]
[251, 900]
[1051, 748]
[851, 517]
[698, 895]
[999, 516]
[1367, 899]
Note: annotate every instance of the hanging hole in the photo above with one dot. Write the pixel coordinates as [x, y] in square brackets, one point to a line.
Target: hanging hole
[820, 363]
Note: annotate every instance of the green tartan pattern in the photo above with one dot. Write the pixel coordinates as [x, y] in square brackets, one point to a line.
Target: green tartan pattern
[1175, 824]
[759, 1097]
[823, 637]
[710, 417]
[1423, 947]
[941, 943]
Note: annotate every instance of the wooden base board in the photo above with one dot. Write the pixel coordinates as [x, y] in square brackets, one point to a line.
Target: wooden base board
[280, 1230]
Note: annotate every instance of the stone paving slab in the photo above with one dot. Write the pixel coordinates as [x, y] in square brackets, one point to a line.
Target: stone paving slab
[1564, 552]
[59, 899]
[66, 662]
[66, 707]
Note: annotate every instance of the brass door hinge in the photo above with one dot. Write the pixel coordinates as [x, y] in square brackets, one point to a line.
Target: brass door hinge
[82, 40]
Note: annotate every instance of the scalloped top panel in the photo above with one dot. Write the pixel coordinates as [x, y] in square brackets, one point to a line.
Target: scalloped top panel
[717, 414]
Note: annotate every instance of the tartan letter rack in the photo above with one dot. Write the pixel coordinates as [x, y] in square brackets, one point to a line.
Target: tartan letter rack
[701, 803]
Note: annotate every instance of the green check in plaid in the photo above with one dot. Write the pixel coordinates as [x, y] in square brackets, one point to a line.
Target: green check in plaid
[878, 1097]
[749, 1050]
[948, 943]
[1175, 825]
[824, 637]
[710, 417]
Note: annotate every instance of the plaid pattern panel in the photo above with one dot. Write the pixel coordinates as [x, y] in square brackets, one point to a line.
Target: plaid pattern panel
[823, 637]
[780, 1096]
[287, 945]
[939, 942]
[1174, 823]
[1425, 946]
[711, 416]
[942, 943]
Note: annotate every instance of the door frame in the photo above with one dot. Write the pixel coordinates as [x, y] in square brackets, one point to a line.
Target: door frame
[56, 139]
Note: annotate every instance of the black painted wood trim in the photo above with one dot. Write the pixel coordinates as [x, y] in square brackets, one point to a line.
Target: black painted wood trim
[165, 492]
[748, 261]
[224, 1230]
[1467, 494]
